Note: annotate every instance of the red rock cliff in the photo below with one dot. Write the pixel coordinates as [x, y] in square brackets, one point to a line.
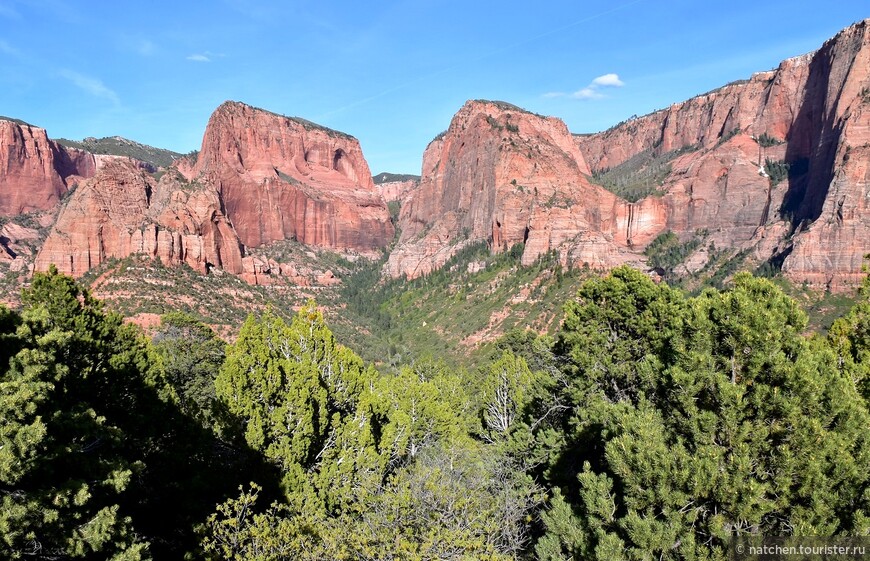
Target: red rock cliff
[123, 210]
[259, 178]
[505, 176]
[831, 201]
[281, 178]
[812, 113]
[35, 171]
[397, 190]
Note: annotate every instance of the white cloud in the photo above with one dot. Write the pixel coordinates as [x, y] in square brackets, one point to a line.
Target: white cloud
[589, 92]
[606, 80]
[205, 56]
[593, 90]
[93, 86]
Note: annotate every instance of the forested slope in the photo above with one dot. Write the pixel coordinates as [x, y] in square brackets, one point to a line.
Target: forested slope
[652, 425]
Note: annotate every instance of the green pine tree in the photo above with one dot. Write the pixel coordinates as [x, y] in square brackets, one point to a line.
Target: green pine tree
[693, 420]
[65, 396]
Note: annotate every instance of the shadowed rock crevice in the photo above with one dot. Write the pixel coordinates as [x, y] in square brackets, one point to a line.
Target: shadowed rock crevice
[812, 143]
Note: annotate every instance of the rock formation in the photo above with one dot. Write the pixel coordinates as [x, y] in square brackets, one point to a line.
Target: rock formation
[123, 210]
[394, 187]
[259, 178]
[777, 165]
[282, 178]
[36, 172]
[16, 243]
[812, 114]
[831, 201]
[506, 176]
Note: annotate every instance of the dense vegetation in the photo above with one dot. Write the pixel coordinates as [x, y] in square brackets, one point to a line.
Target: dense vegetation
[653, 424]
[766, 141]
[666, 252]
[641, 175]
[118, 146]
[491, 293]
[777, 171]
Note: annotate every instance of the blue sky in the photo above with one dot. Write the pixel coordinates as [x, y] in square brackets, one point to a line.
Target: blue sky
[391, 73]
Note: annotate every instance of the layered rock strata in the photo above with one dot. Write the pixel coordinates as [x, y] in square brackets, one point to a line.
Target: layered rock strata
[506, 176]
[259, 178]
[812, 114]
[123, 210]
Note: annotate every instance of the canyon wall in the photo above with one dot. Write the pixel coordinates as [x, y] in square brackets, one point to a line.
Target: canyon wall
[36, 172]
[124, 210]
[283, 178]
[505, 176]
[811, 113]
[775, 167]
[259, 178]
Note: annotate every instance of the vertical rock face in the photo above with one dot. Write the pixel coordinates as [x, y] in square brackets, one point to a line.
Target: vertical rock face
[811, 113]
[35, 171]
[830, 202]
[123, 210]
[259, 178]
[716, 180]
[777, 164]
[397, 190]
[713, 182]
[281, 178]
[505, 176]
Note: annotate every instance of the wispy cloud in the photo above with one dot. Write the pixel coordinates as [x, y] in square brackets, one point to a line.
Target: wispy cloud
[206, 56]
[589, 92]
[593, 90]
[8, 49]
[93, 86]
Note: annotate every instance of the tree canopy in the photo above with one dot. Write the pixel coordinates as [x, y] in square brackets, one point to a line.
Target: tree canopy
[66, 396]
[693, 420]
[652, 424]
